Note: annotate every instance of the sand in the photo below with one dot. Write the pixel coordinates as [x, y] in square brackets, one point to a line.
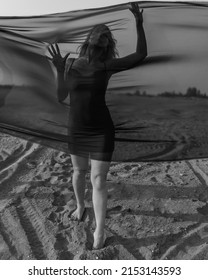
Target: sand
[156, 210]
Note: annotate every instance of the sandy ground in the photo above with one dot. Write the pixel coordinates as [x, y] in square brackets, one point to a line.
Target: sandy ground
[155, 210]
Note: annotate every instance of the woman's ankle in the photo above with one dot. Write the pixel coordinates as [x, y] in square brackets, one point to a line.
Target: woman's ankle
[99, 240]
[80, 206]
[99, 233]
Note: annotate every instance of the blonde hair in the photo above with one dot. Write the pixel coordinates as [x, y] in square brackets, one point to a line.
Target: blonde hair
[109, 52]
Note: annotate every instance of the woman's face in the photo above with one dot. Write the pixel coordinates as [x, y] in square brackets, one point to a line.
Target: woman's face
[99, 37]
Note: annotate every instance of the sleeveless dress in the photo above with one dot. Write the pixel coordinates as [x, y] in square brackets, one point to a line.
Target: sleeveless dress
[90, 128]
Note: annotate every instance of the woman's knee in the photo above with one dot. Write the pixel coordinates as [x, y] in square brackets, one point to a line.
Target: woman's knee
[79, 172]
[99, 171]
[98, 180]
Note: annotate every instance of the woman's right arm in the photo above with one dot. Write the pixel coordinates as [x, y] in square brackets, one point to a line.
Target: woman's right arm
[59, 62]
[62, 90]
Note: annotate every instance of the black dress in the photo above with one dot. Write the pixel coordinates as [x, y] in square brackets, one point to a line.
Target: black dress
[90, 127]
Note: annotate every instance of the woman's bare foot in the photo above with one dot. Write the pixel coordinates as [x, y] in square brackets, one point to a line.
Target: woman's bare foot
[78, 214]
[99, 241]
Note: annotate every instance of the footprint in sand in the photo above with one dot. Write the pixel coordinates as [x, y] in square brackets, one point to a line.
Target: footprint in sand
[113, 211]
[61, 245]
[203, 210]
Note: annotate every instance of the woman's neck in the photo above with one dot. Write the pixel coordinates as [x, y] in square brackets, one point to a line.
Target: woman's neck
[94, 54]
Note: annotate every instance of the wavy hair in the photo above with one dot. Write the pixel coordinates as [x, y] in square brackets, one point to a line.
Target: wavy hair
[109, 52]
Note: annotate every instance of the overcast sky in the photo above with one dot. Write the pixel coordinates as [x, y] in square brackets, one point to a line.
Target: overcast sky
[176, 32]
[37, 7]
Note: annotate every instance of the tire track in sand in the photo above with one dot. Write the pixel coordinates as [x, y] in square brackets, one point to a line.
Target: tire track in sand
[200, 174]
[194, 243]
[35, 230]
[10, 165]
[8, 241]
[14, 236]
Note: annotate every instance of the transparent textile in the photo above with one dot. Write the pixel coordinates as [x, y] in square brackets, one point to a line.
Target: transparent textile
[159, 109]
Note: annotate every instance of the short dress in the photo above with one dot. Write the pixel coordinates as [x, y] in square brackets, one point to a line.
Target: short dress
[91, 130]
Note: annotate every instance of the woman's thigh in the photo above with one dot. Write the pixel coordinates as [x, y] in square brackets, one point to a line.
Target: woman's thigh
[79, 163]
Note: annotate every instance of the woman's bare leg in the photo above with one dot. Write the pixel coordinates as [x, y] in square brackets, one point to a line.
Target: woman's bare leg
[80, 165]
[99, 170]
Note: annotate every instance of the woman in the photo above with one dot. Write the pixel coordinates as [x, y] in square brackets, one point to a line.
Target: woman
[91, 130]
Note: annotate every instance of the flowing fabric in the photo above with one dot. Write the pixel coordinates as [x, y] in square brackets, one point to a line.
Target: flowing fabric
[159, 109]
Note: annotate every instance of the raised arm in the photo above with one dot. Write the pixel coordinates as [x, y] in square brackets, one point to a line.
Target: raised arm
[59, 63]
[120, 64]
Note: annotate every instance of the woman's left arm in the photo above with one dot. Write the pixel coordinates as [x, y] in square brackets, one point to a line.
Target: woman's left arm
[132, 60]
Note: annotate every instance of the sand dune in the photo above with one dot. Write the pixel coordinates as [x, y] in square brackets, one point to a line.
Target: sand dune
[155, 210]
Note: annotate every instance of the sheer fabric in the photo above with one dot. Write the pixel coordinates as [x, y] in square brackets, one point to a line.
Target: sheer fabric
[159, 109]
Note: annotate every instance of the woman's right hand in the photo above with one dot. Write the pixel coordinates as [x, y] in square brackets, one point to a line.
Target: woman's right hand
[56, 58]
[138, 14]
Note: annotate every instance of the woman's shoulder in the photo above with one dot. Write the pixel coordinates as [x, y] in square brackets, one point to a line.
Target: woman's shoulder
[82, 65]
[77, 62]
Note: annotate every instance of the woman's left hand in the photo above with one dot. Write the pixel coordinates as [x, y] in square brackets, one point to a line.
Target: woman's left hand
[138, 14]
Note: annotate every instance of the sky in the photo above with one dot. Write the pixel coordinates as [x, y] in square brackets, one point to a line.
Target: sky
[169, 32]
[38, 7]
[35, 7]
